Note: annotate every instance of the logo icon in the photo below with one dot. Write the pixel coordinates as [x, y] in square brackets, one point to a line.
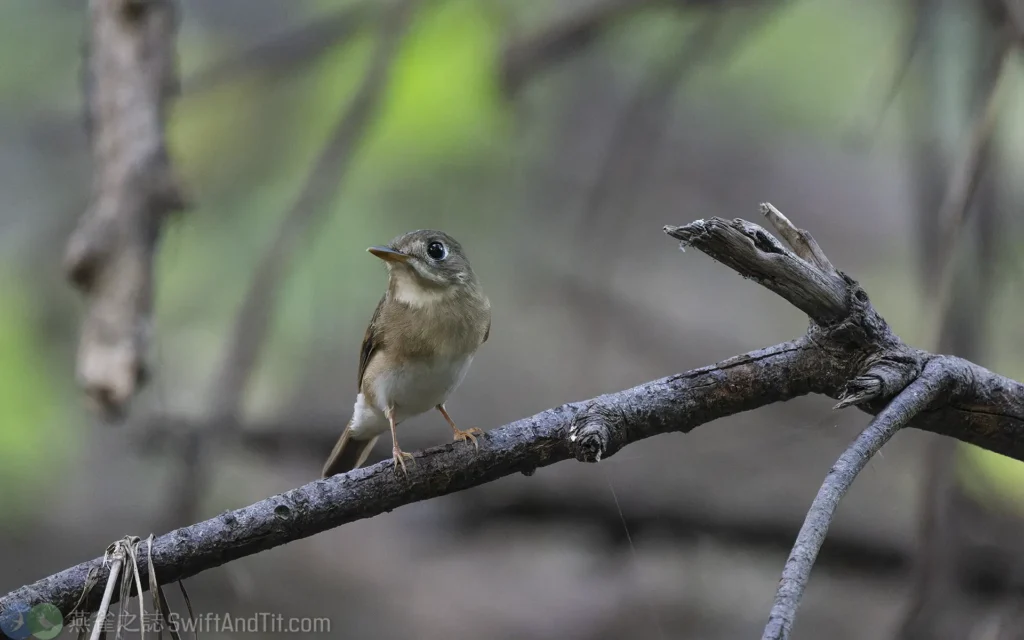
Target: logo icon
[20, 622]
[14, 621]
[45, 621]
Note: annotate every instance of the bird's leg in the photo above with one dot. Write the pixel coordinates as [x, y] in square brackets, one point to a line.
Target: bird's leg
[469, 434]
[396, 453]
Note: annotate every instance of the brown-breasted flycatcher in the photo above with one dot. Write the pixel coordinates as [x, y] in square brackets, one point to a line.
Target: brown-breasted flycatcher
[419, 345]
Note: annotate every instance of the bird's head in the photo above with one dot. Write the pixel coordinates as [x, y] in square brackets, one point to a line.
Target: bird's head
[426, 262]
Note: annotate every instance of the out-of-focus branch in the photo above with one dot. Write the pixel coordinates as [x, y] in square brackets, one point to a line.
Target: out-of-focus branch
[970, 166]
[528, 55]
[632, 143]
[284, 51]
[291, 435]
[960, 278]
[130, 77]
[308, 210]
[848, 353]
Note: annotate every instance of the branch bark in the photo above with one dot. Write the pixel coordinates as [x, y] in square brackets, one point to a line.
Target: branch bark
[130, 79]
[848, 353]
[914, 399]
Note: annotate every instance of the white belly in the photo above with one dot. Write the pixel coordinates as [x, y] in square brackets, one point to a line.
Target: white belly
[413, 389]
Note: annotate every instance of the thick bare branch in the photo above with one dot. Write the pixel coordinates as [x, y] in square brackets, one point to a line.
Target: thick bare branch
[676, 403]
[756, 254]
[848, 351]
[130, 78]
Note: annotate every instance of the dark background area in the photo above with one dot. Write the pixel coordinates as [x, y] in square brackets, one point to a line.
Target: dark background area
[557, 178]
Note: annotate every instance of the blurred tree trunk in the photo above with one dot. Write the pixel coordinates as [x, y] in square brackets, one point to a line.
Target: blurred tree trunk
[963, 579]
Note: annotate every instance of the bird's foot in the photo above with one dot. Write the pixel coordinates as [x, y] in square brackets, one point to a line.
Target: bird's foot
[469, 434]
[399, 457]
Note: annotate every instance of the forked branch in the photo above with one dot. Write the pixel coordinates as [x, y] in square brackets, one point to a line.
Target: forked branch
[910, 402]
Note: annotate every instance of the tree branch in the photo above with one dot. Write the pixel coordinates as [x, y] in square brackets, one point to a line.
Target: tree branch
[914, 399]
[528, 55]
[130, 77]
[676, 403]
[283, 52]
[847, 353]
[305, 435]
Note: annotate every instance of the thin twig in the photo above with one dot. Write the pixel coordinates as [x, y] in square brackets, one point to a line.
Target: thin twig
[526, 56]
[917, 397]
[632, 142]
[912, 42]
[803, 244]
[282, 52]
[652, 97]
[108, 593]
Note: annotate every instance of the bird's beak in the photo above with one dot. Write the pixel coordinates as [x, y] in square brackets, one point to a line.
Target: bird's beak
[388, 255]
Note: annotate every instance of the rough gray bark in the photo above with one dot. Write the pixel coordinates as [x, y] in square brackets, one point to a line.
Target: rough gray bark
[894, 417]
[130, 78]
[848, 353]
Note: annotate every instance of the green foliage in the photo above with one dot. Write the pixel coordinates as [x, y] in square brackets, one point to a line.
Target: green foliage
[991, 478]
[444, 97]
[35, 437]
[51, 38]
[815, 65]
[442, 105]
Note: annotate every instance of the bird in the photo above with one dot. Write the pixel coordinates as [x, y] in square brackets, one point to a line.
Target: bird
[428, 326]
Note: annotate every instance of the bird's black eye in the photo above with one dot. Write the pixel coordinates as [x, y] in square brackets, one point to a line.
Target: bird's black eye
[437, 251]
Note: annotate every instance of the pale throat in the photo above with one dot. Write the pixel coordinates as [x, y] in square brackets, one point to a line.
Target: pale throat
[408, 289]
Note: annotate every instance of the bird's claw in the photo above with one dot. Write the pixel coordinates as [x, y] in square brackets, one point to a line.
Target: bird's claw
[399, 457]
[469, 434]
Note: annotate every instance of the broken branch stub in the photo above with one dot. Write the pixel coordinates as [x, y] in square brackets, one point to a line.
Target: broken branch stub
[844, 324]
[130, 78]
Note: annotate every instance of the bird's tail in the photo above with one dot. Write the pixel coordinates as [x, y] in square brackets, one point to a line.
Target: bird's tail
[349, 453]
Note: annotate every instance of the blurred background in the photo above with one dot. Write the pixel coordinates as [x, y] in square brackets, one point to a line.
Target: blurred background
[553, 139]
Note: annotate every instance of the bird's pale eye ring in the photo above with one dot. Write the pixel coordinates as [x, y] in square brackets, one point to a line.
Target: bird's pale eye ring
[437, 251]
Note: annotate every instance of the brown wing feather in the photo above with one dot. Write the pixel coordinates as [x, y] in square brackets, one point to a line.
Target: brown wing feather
[371, 341]
[487, 334]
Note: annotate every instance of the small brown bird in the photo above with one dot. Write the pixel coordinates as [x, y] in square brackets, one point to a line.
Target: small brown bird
[419, 345]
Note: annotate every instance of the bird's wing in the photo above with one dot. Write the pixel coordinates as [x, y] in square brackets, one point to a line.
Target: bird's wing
[487, 334]
[371, 341]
